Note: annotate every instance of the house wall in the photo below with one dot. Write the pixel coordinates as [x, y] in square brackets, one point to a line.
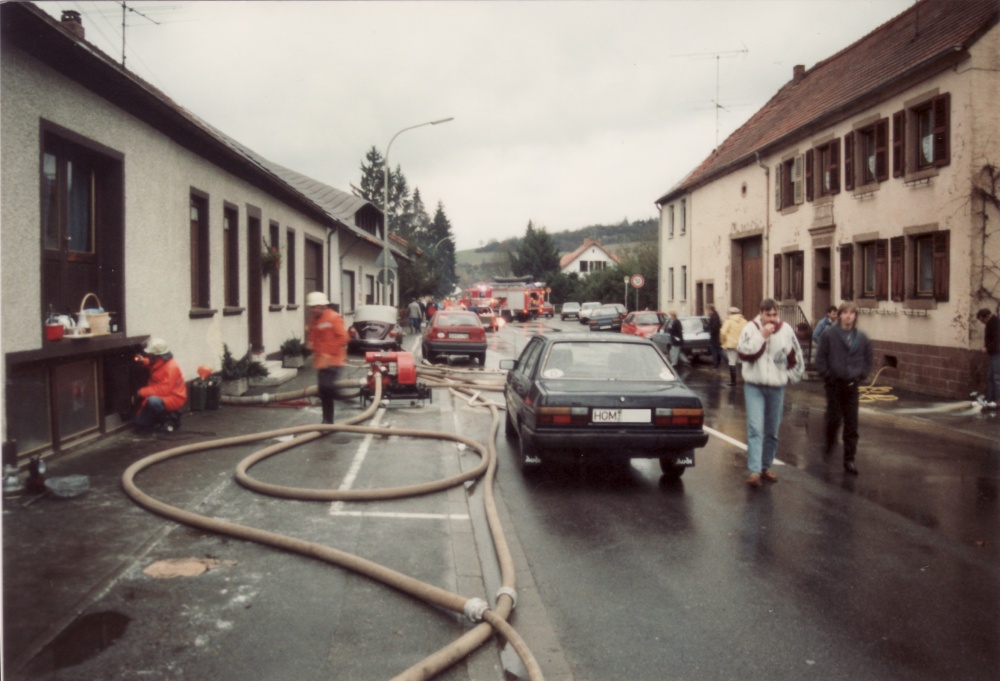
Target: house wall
[158, 178]
[935, 346]
[675, 254]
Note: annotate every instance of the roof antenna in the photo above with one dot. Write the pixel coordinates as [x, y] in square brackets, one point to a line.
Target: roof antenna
[717, 56]
[125, 9]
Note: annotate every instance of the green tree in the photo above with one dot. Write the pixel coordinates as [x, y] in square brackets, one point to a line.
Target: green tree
[440, 251]
[536, 255]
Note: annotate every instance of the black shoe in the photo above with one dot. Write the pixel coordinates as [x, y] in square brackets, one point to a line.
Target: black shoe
[850, 467]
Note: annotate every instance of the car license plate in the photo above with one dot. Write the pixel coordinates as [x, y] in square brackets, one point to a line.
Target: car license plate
[619, 416]
[458, 336]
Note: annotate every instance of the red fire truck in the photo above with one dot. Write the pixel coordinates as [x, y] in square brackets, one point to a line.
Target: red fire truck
[511, 297]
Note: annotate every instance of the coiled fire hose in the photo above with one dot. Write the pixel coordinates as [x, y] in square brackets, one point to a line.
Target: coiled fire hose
[476, 609]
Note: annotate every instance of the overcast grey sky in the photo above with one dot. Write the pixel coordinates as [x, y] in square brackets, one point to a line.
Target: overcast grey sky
[566, 113]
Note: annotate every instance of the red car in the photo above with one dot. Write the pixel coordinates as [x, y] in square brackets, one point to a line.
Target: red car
[643, 324]
[455, 332]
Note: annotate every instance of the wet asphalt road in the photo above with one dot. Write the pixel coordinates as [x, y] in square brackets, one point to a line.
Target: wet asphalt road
[890, 575]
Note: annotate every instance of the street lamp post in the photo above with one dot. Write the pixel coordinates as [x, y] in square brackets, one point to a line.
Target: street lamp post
[385, 208]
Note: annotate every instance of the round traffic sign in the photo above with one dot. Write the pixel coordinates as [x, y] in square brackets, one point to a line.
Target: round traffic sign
[637, 281]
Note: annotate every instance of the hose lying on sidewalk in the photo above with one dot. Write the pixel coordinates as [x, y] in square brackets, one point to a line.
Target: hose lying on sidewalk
[491, 620]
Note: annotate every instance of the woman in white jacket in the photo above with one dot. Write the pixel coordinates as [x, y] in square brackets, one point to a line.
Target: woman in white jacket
[771, 358]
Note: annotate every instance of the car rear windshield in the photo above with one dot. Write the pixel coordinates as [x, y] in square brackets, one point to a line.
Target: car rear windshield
[651, 318]
[456, 319]
[606, 361]
[695, 324]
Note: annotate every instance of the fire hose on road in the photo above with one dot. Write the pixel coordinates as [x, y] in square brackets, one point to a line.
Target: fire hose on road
[489, 621]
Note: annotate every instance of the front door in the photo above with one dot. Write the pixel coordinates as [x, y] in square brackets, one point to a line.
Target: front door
[255, 313]
[751, 282]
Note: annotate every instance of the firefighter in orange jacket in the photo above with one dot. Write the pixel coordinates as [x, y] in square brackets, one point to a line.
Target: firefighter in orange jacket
[327, 338]
[165, 393]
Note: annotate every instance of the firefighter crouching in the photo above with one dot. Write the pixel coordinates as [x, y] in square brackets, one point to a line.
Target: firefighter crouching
[165, 393]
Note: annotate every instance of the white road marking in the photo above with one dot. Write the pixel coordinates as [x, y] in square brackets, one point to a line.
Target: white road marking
[734, 442]
[359, 458]
[401, 516]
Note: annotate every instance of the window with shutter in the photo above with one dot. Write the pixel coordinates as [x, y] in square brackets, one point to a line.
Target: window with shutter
[881, 269]
[777, 188]
[833, 168]
[797, 190]
[810, 159]
[796, 266]
[941, 266]
[897, 278]
[777, 277]
[847, 272]
[882, 150]
[849, 161]
[899, 144]
[942, 136]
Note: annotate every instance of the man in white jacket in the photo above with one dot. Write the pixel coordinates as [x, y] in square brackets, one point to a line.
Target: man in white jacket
[771, 358]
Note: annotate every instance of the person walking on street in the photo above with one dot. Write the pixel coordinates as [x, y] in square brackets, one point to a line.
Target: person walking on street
[327, 338]
[729, 336]
[714, 327]
[822, 325]
[771, 359]
[991, 346]
[844, 360]
[415, 314]
[676, 331]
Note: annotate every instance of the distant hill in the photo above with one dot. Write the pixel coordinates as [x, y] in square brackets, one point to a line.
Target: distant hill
[490, 260]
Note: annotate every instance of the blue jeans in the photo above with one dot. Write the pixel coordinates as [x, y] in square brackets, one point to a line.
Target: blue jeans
[763, 404]
[151, 412]
[993, 379]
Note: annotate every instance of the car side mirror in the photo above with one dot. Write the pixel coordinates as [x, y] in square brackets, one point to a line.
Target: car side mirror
[508, 364]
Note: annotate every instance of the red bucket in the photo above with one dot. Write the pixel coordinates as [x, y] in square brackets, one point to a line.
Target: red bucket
[54, 332]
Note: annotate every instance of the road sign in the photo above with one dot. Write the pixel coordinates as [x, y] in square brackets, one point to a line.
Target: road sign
[637, 281]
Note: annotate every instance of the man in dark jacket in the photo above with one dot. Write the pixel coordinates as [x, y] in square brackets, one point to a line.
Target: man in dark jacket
[844, 359]
[991, 346]
[714, 326]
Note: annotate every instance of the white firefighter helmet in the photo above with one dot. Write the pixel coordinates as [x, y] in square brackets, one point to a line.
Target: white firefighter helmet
[316, 298]
[157, 346]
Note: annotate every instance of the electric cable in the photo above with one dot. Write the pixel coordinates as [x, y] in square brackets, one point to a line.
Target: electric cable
[493, 621]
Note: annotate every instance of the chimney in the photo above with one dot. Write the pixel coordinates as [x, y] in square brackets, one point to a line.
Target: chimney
[71, 21]
[798, 72]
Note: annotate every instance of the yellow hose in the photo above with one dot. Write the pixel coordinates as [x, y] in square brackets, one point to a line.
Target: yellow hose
[869, 393]
[493, 621]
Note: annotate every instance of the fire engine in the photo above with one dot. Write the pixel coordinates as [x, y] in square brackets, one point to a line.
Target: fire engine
[512, 298]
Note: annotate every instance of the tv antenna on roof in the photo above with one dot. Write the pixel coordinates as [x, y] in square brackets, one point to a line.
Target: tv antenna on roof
[718, 56]
[125, 10]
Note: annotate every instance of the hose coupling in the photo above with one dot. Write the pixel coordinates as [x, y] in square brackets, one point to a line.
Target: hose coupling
[265, 398]
[475, 608]
[509, 591]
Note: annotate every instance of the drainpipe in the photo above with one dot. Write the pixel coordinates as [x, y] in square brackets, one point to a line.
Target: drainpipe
[767, 223]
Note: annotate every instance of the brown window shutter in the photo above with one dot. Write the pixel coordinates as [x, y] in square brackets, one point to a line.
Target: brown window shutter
[847, 272]
[834, 167]
[797, 194]
[777, 277]
[809, 174]
[896, 274]
[941, 266]
[881, 270]
[898, 144]
[849, 161]
[882, 150]
[777, 188]
[942, 134]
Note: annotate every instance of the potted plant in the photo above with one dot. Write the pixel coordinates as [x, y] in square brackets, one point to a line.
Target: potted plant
[236, 373]
[270, 259]
[293, 353]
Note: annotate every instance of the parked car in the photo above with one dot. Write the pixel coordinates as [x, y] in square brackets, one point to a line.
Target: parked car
[696, 337]
[607, 317]
[375, 327]
[643, 324]
[569, 310]
[454, 332]
[489, 318]
[600, 397]
[585, 311]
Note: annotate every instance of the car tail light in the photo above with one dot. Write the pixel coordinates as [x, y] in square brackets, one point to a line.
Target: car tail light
[562, 416]
[478, 334]
[392, 333]
[679, 417]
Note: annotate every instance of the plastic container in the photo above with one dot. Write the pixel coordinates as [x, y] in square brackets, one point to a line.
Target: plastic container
[54, 332]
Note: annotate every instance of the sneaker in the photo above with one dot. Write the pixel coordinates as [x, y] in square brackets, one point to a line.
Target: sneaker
[754, 480]
[769, 475]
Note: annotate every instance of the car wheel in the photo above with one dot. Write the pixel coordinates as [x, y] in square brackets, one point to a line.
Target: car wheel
[529, 458]
[670, 470]
[428, 355]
